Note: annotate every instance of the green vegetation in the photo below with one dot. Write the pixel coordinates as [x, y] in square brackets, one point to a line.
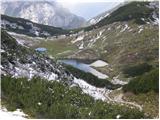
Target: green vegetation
[144, 90]
[50, 99]
[136, 70]
[132, 11]
[149, 101]
[57, 48]
[144, 83]
[12, 45]
[138, 50]
[15, 50]
[124, 49]
[91, 79]
[130, 49]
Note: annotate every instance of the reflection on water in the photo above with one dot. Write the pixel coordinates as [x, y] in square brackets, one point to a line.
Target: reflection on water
[84, 67]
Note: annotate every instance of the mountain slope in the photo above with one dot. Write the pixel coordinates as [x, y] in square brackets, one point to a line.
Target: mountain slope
[103, 15]
[44, 12]
[128, 46]
[45, 97]
[133, 11]
[138, 12]
[19, 61]
[120, 43]
[23, 26]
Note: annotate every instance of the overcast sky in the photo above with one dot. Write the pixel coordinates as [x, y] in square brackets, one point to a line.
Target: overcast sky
[89, 8]
[85, 8]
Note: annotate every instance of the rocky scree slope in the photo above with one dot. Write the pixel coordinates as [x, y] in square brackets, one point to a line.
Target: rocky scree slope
[19, 61]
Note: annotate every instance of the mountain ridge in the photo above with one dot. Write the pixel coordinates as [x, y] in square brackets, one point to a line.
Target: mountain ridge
[27, 27]
[44, 12]
[138, 12]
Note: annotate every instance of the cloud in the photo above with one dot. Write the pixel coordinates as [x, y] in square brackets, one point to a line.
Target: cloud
[75, 3]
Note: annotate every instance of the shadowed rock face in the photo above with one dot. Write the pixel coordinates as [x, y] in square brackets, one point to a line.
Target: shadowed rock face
[44, 12]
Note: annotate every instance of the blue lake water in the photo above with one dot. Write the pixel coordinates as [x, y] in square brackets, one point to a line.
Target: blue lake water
[41, 49]
[84, 67]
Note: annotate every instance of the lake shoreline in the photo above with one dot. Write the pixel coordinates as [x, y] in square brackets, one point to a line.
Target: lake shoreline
[84, 67]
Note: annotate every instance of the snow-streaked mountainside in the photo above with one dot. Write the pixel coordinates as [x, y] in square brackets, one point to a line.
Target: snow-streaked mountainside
[23, 26]
[44, 12]
[19, 61]
[138, 12]
[103, 15]
[118, 42]
[122, 45]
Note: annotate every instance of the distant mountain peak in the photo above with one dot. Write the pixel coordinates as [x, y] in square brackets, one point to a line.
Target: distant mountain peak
[43, 12]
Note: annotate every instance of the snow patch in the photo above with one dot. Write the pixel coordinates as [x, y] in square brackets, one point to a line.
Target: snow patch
[93, 21]
[28, 70]
[96, 93]
[79, 38]
[39, 103]
[89, 113]
[92, 41]
[109, 28]
[16, 115]
[21, 42]
[143, 19]
[140, 30]
[81, 46]
[125, 28]
[2, 51]
[118, 116]
[101, 32]
[156, 19]
[52, 76]
[15, 34]
[99, 63]
[96, 20]
[117, 81]
[118, 26]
